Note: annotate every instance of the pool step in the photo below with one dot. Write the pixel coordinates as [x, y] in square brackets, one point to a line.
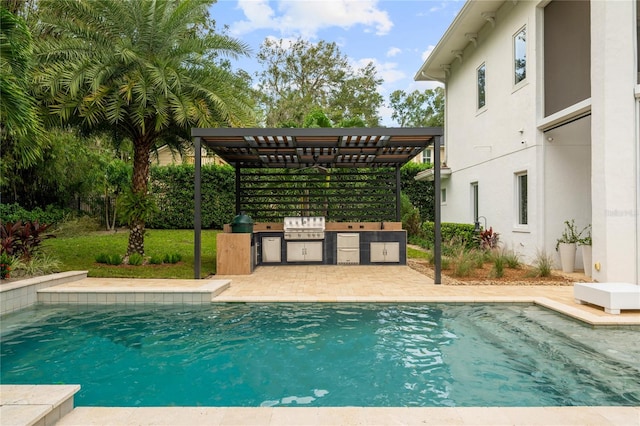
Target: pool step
[94, 291]
[35, 404]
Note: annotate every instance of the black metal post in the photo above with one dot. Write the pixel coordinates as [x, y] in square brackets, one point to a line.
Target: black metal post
[398, 191]
[238, 189]
[437, 232]
[197, 210]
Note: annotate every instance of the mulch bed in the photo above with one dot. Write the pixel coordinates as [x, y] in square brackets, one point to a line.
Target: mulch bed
[482, 276]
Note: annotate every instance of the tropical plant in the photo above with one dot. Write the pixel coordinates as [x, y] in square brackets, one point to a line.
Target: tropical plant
[570, 233]
[148, 70]
[39, 264]
[22, 240]
[488, 239]
[6, 263]
[20, 125]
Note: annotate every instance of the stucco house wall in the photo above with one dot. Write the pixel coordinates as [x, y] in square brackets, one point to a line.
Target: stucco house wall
[581, 160]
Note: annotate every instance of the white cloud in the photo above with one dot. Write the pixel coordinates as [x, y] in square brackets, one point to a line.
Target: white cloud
[393, 52]
[306, 18]
[388, 71]
[427, 52]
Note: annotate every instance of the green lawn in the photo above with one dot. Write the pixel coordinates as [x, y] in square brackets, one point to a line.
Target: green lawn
[79, 253]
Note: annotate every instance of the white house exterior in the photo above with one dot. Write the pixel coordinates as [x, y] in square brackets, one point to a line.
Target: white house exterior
[554, 133]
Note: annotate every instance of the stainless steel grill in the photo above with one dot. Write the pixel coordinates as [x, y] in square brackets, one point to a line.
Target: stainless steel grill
[304, 228]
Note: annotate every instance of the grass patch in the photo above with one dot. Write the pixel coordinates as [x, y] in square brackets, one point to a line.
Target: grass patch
[418, 254]
[77, 253]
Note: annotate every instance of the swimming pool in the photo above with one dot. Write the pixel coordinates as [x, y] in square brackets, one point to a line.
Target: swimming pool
[321, 355]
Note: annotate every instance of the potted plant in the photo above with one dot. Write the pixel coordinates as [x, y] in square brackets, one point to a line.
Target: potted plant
[566, 245]
[585, 244]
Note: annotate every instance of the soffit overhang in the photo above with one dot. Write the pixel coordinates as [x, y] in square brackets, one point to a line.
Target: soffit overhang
[473, 16]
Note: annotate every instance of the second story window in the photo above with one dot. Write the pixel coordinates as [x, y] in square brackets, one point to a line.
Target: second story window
[481, 74]
[520, 55]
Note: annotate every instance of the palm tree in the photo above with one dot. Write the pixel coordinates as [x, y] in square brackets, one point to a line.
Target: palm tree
[148, 69]
[20, 126]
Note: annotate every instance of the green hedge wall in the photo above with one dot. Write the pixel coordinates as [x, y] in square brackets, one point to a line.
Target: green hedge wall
[172, 187]
[421, 193]
[460, 232]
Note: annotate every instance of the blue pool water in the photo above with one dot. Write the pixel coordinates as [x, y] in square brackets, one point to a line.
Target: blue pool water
[321, 355]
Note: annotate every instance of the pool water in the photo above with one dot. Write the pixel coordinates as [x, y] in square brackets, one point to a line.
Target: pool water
[321, 355]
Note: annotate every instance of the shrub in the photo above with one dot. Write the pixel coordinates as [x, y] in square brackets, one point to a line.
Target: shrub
[511, 258]
[115, 259]
[39, 264]
[136, 259]
[102, 258]
[172, 258]
[463, 233]
[542, 264]
[6, 264]
[15, 213]
[488, 239]
[22, 239]
[464, 262]
[155, 260]
[497, 271]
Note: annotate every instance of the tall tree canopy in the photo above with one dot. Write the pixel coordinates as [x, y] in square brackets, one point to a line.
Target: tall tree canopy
[20, 125]
[143, 68]
[299, 77]
[418, 109]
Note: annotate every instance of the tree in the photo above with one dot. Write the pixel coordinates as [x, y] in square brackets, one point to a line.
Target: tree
[145, 69]
[20, 125]
[418, 109]
[299, 78]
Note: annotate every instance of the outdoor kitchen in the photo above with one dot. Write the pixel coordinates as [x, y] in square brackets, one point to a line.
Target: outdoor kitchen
[313, 196]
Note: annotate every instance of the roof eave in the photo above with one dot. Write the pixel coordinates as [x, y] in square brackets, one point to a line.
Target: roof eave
[469, 20]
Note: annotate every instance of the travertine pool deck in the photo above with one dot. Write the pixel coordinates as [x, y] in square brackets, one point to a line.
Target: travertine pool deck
[353, 283]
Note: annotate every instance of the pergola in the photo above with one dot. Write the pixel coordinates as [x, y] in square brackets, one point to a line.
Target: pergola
[320, 149]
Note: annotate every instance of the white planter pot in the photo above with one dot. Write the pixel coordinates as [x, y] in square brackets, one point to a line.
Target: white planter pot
[567, 256]
[586, 259]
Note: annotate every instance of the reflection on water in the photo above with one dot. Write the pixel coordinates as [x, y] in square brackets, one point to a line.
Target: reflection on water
[322, 355]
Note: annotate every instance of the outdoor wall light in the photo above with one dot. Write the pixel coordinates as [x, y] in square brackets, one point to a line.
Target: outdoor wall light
[477, 223]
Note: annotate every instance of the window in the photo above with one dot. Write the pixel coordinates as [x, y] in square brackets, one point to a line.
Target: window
[522, 199]
[426, 156]
[474, 201]
[443, 196]
[481, 73]
[520, 55]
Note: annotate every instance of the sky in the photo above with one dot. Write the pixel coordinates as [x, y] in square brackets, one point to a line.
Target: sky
[396, 35]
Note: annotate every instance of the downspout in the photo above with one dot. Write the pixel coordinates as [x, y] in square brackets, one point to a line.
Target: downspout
[437, 234]
[637, 183]
[197, 206]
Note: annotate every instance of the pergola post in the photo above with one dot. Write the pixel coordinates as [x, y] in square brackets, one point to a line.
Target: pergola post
[238, 189]
[437, 232]
[197, 212]
[398, 190]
